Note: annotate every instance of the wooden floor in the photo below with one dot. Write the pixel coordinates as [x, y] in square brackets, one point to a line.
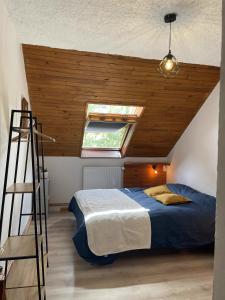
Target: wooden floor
[137, 276]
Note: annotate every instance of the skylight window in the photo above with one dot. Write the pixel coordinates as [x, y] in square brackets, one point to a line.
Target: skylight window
[109, 128]
[114, 109]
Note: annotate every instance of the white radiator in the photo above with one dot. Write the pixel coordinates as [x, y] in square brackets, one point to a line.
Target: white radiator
[102, 177]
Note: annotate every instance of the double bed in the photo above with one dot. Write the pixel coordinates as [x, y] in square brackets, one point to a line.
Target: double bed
[182, 226]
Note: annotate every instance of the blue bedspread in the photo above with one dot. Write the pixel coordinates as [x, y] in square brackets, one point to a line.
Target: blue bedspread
[175, 226]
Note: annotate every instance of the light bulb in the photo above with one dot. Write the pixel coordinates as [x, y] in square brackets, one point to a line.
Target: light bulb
[169, 65]
[154, 167]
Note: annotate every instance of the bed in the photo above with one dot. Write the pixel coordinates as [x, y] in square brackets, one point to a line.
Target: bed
[184, 226]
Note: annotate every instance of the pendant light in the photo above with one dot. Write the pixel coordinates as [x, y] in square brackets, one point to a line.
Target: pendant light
[169, 65]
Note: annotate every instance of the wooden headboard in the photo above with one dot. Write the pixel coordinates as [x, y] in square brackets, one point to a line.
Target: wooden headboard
[144, 174]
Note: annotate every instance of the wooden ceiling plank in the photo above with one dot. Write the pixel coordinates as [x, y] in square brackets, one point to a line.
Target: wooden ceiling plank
[61, 82]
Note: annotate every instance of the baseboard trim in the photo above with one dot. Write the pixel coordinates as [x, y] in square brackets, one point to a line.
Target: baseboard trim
[58, 204]
[58, 207]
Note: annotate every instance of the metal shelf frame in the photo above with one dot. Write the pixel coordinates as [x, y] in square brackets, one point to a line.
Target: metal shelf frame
[14, 246]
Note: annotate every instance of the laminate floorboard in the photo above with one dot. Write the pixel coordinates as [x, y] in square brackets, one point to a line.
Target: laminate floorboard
[185, 275]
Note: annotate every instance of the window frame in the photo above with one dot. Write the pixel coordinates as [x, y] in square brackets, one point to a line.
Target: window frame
[132, 121]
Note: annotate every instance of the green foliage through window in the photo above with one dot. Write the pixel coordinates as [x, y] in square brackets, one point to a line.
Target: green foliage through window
[111, 109]
[112, 140]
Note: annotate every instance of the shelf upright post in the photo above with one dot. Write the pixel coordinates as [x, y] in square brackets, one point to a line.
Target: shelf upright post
[39, 200]
[6, 175]
[34, 202]
[15, 178]
[5, 184]
[44, 193]
[24, 180]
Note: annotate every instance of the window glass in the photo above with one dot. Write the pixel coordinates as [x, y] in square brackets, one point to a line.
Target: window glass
[112, 109]
[105, 139]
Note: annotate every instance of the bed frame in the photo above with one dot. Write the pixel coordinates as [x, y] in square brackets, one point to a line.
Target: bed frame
[144, 174]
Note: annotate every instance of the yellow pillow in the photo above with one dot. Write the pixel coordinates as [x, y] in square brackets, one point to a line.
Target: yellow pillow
[157, 190]
[170, 198]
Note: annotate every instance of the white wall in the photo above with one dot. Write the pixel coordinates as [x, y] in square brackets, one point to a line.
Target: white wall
[194, 157]
[219, 263]
[66, 173]
[13, 87]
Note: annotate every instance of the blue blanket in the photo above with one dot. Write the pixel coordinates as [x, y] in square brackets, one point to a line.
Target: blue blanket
[181, 226]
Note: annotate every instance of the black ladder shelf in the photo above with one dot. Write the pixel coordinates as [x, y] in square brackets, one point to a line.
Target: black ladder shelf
[24, 253]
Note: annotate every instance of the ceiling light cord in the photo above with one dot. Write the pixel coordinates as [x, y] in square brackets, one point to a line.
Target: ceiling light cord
[170, 39]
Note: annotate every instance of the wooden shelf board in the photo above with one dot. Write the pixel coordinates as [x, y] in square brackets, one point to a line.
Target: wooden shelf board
[19, 247]
[27, 273]
[24, 294]
[18, 188]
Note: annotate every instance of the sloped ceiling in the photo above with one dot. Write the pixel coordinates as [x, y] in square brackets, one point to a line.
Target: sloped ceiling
[61, 82]
[125, 27]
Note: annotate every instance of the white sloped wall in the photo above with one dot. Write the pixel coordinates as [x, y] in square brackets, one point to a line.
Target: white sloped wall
[194, 157]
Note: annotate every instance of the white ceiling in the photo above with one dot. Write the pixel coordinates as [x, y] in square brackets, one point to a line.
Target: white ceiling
[126, 27]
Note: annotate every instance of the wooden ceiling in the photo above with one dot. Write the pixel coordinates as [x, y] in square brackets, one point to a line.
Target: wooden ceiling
[61, 82]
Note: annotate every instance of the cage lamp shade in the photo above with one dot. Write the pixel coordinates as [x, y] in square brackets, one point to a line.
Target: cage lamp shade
[169, 66]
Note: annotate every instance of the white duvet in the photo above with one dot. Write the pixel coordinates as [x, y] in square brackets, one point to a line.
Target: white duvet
[114, 222]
